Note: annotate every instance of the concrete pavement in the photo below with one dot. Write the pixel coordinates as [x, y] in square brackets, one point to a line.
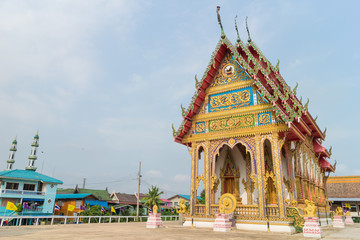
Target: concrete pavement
[170, 231]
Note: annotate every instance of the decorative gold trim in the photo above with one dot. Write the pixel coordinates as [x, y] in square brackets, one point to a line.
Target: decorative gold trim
[229, 87]
[236, 133]
[232, 113]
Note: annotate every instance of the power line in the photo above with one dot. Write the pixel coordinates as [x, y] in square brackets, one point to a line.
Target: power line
[95, 183]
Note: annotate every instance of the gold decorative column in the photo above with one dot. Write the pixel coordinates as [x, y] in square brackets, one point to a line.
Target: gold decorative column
[298, 188]
[207, 176]
[276, 148]
[260, 173]
[192, 152]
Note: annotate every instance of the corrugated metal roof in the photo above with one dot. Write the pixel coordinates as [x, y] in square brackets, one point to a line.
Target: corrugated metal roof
[96, 202]
[345, 199]
[72, 195]
[185, 196]
[28, 175]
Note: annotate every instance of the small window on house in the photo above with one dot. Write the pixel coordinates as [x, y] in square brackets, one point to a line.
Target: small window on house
[40, 185]
[78, 203]
[60, 203]
[10, 185]
[29, 187]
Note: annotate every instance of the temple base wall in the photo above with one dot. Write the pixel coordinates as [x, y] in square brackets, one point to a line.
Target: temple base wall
[253, 225]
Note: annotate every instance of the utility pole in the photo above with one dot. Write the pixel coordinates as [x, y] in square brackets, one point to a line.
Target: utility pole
[84, 181]
[138, 194]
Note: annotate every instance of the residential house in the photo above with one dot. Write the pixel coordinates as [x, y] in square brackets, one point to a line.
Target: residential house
[102, 196]
[343, 190]
[175, 200]
[75, 199]
[126, 201]
[35, 191]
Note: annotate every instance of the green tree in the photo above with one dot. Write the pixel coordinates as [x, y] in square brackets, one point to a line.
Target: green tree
[153, 197]
[202, 195]
[19, 207]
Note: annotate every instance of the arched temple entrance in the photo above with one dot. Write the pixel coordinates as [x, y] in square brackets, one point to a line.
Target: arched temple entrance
[233, 170]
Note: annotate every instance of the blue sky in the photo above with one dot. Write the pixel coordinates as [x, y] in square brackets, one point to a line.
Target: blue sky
[103, 81]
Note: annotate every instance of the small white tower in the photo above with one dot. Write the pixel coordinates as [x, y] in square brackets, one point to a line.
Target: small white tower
[32, 156]
[11, 159]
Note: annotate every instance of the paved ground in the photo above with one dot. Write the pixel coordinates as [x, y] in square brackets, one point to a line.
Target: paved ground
[170, 231]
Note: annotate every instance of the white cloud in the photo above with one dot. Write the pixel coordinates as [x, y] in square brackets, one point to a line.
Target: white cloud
[296, 63]
[154, 174]
[341, 169]
[181, 178]
[52, 46]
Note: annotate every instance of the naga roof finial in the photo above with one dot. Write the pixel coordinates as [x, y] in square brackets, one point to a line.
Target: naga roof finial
[247, 29]
[219, 20]
[330, 151]
[278, 65]
[197, 83]
[316, 118]
[325, 132]
[237, 30]
[174, 131]
[294, 90]
[182, 110]
[307, 104]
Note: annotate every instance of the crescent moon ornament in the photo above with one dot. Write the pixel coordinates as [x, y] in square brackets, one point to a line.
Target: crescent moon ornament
[227, 203]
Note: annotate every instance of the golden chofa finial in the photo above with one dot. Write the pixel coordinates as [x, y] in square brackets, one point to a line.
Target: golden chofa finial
[237, 30]
[247, 29]
[219, 20]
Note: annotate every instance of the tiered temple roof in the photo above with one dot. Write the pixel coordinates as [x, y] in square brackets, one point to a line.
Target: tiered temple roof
[270, 85]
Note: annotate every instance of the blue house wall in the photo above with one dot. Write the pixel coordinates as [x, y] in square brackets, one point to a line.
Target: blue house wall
[41, 200]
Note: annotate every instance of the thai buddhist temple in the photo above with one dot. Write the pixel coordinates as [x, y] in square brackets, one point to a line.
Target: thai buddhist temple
[254, 138]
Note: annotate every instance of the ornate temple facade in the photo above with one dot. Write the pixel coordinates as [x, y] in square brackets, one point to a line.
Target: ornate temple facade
[254, 139]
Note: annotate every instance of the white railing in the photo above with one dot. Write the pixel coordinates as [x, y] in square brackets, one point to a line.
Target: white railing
[7, 191]
[33, 209]
[57, 219]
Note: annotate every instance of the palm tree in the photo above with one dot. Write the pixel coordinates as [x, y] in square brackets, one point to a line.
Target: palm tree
[153, 197]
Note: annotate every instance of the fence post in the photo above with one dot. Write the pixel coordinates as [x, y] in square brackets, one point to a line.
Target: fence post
[52, 220]
[65, 219]
[100, 219]
[77, 220]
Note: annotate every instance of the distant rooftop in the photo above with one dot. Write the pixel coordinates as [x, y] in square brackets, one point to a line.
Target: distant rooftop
[72, 196]
[100, 194]
[343, 187]
[28, 175]
[184, 196]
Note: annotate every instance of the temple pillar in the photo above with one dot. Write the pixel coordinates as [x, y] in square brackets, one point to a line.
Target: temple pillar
[276, 153]
[260, 172]
[193, 153]
[298, 188]
[207, 176]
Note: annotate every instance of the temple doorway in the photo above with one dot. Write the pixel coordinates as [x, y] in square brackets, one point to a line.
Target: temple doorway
[232, 171]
